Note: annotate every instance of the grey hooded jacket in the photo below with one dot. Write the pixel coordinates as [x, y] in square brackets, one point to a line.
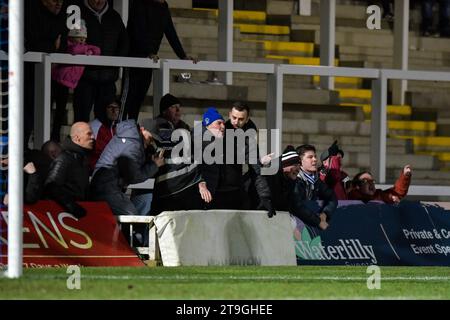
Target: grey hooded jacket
[123, 161]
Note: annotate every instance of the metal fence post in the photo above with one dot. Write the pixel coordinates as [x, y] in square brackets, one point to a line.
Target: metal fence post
[401, 48]
[161, 84]
[43, 102]
[225, 44]
[379, 128]
[327, 39]
[274, 104]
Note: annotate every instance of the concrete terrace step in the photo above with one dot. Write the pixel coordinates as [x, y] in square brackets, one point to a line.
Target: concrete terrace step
[327, 127]
[245, 93]
[414, 53]
[344, 140]
[429, 100]
[303, 48]
[239, 15]
[404, 110]
[361, 37]
[189, 30]
[280, 7]
[356, 13]
[310, 61]
[419, 177]
[197, 107]
[435, 143]
[345, 93]
[441, 156]
[395, 161]
[250, 36]
[427, 86]
[254, 79]
[423, 175]
[429, 126]
[387, 62]
[349, 150]
[350, 81]
[262, 29]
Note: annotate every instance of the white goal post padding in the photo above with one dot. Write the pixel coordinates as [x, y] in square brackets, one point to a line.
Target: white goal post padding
[225, 237]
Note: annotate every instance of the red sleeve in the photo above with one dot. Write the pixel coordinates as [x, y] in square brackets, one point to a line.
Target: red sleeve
[400, 189]
[402, 185]
[335, 168]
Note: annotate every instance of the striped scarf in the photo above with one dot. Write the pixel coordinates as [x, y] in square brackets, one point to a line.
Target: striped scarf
[310, 180]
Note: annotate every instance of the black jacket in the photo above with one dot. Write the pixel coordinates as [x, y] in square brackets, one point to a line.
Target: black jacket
[174, 176]
[292, 195]
[221, 176]
[280, 188]
[34, 183]
[218, 176]
[148, 22]
[68, 178]
[254, 170]
[42, 28]
[305, 191]
[107, 32]
[122, 162]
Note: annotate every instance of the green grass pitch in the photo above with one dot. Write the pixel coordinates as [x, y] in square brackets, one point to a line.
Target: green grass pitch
[305, 282]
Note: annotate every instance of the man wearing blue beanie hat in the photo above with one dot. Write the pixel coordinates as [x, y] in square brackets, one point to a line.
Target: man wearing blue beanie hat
[213, 121]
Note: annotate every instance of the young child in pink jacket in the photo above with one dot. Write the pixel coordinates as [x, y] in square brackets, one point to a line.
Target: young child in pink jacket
[66, 76]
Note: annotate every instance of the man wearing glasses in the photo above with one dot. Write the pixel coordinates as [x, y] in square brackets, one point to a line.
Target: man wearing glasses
[364, 188]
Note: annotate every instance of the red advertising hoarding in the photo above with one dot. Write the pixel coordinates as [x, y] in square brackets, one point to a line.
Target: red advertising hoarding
[53, 237]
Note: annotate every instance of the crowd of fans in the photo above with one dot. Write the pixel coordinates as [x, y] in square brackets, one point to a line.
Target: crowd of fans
[137, 152]
[100, 159]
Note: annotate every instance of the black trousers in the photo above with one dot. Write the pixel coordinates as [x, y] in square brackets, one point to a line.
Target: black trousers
[90, 93]
[60, 94]
[188, 199]
[29, 99]
[136, 84]
[227, 200]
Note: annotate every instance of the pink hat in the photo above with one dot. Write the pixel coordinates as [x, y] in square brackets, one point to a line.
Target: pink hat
[79, 33]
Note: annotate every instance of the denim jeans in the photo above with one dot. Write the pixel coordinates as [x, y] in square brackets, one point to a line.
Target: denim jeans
[142, 201]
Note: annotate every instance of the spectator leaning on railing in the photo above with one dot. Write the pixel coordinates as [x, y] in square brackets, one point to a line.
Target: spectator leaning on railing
[363, 188]
[148, 22]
